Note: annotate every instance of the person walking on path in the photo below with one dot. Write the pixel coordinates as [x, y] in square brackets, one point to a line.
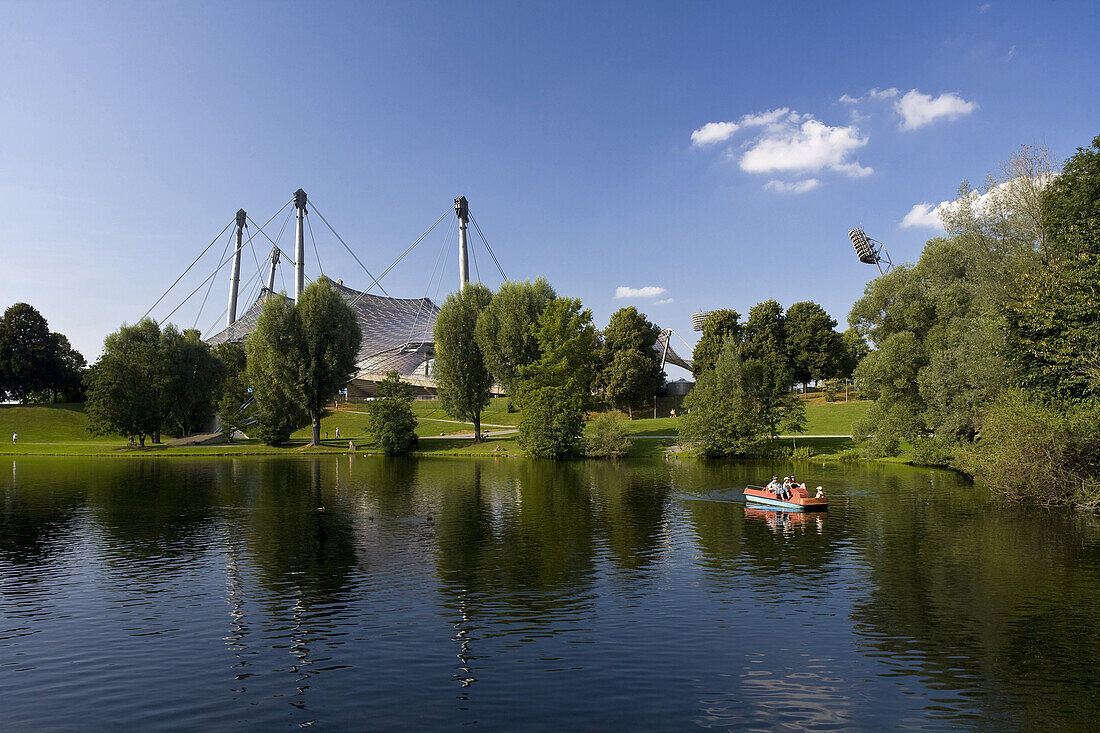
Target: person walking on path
[338, 433]
[15, 437]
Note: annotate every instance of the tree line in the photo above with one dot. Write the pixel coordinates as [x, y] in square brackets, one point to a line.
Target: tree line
[986, 351]
[36, 364]
[745, 373]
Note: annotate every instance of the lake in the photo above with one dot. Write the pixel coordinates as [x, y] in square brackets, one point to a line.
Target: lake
[507, 594]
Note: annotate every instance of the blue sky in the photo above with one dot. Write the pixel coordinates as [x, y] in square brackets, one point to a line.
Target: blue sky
[131, 133]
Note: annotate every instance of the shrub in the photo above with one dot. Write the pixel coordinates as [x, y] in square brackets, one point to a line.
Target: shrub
[931, 452]
[607, 438]
[390, 419]
[1028, 451]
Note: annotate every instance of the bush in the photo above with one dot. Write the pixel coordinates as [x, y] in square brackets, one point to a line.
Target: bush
[1028, 451]
[608, 437]
[931, 452]
[830, 389]
[390, 419]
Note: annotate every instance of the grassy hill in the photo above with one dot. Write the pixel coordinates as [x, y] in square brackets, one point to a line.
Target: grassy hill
[58, 423]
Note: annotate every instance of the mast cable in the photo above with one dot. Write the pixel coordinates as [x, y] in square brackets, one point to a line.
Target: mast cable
[212, 241]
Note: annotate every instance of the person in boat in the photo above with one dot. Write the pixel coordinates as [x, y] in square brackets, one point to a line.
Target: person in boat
[785, 491]
[773, 485]
[820, 493]
[795, 484]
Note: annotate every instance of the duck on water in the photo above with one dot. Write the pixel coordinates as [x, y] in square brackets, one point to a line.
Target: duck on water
[790, 494]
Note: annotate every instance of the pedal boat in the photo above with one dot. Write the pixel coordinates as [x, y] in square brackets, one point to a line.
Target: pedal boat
[800, 499]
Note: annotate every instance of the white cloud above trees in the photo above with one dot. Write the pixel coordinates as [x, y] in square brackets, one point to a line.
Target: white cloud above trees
[786, 141]
[648, 291]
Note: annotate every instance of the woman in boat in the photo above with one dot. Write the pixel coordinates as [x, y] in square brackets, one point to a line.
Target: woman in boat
[785, 492]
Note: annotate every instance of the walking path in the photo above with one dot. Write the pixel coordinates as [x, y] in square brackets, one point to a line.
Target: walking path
[439, 419]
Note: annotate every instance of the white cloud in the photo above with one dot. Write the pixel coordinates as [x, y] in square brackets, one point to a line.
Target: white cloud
[874, 93]
[918, 109]
[713, 132]
[649, 291]
[1002, 197]
[663, 301]
[1011, 54]
[925, 216]
[804, 148]
[808, 184]
[984, 8]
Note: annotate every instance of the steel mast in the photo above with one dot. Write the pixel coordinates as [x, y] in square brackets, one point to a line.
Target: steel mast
[235, 276]
[300, 245]
[462, 210]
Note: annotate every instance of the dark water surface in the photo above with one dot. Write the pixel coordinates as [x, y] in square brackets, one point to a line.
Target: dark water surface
[510, 594]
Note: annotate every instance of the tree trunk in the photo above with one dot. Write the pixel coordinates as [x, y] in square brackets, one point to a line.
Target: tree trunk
[141, 440]
[156, 437]
[477, 427]
[315, 417]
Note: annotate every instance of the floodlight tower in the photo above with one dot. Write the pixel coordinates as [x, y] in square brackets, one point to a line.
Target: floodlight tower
[300, 245]
[870, 251]
[698, 319]
[462, 211]
[235, 276]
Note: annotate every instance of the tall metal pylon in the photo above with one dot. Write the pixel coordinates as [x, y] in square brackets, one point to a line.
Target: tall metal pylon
[462, 210]
[235, 276]
[300, 245]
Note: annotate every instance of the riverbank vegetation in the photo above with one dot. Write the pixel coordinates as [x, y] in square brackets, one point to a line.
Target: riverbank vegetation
[986, 350]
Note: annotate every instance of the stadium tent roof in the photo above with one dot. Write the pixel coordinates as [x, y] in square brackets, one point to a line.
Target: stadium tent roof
[397, 332]
[671, 356]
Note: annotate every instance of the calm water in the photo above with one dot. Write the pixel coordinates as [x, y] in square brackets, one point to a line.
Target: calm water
[510, 594]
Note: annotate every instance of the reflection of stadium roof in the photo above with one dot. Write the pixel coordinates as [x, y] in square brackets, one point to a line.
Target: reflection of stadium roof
[397, 332]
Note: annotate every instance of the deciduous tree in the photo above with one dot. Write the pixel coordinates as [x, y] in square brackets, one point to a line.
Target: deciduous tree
[505, 330]
[554, 391]
[460, 371]
[390, 419]
[719, 325]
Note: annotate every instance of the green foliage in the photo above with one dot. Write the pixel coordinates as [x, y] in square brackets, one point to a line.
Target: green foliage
[194, 376]
[233, 398]
[36, 364]
[391, 423]
[299, 357]
[765, 332]
[607, 436]
[273, 359]
[721, 416]
[815, 349]
[505, 330]
[1036, 452]
[932, 452]
[854, 348]
[327, 348]
[719, 325]
[460, 369]
[554, 391]
[631, 369]
[939, 330]
[128, 386]
[768, 380]
[1054, 334]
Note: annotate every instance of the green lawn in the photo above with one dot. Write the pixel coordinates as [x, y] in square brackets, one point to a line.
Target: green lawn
[44, 423]
[834, 418]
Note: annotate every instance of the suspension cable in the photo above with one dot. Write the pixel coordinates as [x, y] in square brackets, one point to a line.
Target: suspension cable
[407, 250]
[212, 241]
[486, 241]
[315, 251]
[350, 252]
[211, 286]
